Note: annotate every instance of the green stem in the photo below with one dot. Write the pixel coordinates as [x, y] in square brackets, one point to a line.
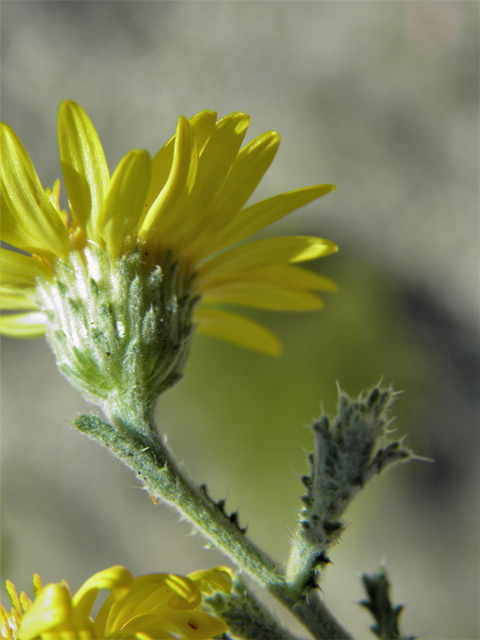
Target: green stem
[135, 441]
[312, 613]
[142, 449]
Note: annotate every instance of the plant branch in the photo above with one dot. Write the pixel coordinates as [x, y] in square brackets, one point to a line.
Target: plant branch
[155, 467]
[141, 449]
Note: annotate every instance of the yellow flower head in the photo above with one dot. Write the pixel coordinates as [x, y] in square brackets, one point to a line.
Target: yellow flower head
[158, 605]
[142, 247]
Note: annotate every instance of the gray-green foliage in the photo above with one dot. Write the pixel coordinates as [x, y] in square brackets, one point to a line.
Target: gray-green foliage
[386, 617]
[348, 451]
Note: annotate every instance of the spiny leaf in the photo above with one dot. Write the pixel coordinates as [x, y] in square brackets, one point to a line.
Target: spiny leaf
[386, 617]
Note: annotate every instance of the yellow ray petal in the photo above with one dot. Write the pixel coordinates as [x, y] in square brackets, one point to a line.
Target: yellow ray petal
[314, 248]
[15, 290]
[179, 184]
[156, 591]
[203, 125]
[124, 200]
[16, 280]
[260, 215]
[193, 625]
[23, 325]
[241, 331]
[286, 275]
[26, 199]
[84, 167]
[13, 233]
[11, 302]
[53, 195]
[149, 594]
[213, 168]
[216, 579]
[21, 266]
[52, 607]
[294, 277]
[248, 169]
[265, 253]
[161, 166]
[116, 579]
[263, 295]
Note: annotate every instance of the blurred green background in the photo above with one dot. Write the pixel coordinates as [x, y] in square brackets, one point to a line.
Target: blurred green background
[380, 99]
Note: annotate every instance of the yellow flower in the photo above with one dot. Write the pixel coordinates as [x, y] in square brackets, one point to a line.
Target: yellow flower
[186, 202]
[116, 283]
[158, 605]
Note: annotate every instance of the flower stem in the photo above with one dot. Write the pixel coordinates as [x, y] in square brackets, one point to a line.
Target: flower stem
[312, 613]
[142, 449]
[134, 440]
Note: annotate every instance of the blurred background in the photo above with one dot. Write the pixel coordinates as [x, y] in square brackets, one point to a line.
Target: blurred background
[380, 98]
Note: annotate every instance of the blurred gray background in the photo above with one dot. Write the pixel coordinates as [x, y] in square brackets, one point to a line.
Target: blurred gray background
[380, 98]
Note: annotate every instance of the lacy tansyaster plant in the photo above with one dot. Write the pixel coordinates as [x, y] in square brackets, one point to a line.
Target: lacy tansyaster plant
[120, 283]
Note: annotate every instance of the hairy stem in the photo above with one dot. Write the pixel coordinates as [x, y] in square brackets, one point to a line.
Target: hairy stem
[135, 441]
